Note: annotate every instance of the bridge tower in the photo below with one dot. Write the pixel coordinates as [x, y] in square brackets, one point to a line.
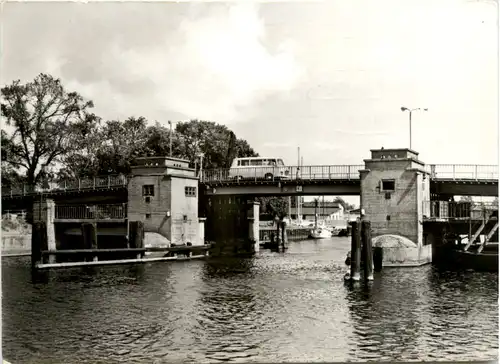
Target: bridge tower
[163, 195]
[394, 185]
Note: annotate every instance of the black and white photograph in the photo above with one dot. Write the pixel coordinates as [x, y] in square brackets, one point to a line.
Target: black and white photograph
[249, 181]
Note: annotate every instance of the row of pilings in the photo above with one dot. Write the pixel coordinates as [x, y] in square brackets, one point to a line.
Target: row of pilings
[361, 251]
[44, 248]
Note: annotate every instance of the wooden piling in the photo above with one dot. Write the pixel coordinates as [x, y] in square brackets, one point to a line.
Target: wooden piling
[140, 234]
[136, 234]
[278, 233]
[355, 251]
[367, 249]
[38, 242]
[378, 258]
[89, 233]
[284, 237]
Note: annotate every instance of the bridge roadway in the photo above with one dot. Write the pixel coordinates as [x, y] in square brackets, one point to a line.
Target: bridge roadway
[450, 179]
[341, 180]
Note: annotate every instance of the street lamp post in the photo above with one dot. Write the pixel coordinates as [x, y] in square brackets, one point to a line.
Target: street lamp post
[410, 111]
[42, 173]
[201, 155]
[170, 136]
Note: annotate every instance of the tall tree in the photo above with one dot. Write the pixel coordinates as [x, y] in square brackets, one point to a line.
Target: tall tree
[122, 143]
[87, 138]
[158, 141]
[346, 205]
[41, 114]
[211, 139]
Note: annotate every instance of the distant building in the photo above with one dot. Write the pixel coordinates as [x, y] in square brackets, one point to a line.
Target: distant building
[353, 215]
[326, 211]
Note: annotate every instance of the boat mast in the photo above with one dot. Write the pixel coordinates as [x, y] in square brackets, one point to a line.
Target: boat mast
[324, 217]
[316, 200]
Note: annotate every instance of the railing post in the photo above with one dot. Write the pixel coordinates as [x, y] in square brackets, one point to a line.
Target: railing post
[329, 172]
[94, 183]
[475, 172]
[78, 184]
[24, 189]
[453, 172]
[109, 181]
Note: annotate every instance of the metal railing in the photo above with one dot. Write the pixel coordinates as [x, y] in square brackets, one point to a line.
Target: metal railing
[457, 210]
[264, 173]
[346, 172]
[101, 182]
[91, 212]
[463, 171]
[282, 173]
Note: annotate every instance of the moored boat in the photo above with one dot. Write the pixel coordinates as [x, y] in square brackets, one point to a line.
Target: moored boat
[320, 233]
[457, 257]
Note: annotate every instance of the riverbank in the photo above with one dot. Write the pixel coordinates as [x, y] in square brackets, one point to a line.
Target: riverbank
[16, 237]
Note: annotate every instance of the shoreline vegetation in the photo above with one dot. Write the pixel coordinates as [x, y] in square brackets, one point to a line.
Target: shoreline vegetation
[91, 146]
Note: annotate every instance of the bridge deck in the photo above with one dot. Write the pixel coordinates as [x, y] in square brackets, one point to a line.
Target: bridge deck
[266, 175]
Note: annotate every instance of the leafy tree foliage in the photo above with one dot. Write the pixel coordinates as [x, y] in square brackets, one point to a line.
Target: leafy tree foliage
[42, 114]
[53, 128]
[274, 206]
[215, 141]
[346, 205]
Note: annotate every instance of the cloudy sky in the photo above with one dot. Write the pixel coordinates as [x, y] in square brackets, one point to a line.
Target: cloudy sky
[328, 76]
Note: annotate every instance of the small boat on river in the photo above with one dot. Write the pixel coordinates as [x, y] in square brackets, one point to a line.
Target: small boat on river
[320, 233]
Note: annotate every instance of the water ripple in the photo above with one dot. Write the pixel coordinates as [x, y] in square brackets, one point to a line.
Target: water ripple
[272, 308]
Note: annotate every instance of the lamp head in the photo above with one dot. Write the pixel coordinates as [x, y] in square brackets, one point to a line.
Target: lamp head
[403, 108]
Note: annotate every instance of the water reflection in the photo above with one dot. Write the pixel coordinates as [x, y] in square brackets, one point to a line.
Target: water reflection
[463, 305]
[272, 308]
[389, 313]
[229, 317]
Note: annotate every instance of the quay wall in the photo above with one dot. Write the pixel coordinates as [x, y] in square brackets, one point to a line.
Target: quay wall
[15, 243]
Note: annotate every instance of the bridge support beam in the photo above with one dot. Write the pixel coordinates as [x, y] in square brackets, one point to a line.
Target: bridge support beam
[43, 236]
[253, 225]
[233, 226]
[394, 185]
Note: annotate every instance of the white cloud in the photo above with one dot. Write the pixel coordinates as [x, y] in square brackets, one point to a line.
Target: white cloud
[301, 74]
[217, 64]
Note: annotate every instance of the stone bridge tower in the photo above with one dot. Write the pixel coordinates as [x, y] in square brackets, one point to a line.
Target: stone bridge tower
[394, 185]
[163, 194]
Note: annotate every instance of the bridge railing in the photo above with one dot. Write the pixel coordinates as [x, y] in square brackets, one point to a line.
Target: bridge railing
[283, 173]
[463, 171]
[457, 210]
[100, 182]
[91, 212]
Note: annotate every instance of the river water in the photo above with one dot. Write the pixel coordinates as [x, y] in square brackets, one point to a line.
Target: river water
[272, 308]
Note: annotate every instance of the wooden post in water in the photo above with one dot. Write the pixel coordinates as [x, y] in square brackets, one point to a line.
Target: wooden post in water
[278, 233]
[136, 238]
[140, 234]
[355, 251]
[284, 238]
[89, 233]
[38, 242]
[367, 249]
